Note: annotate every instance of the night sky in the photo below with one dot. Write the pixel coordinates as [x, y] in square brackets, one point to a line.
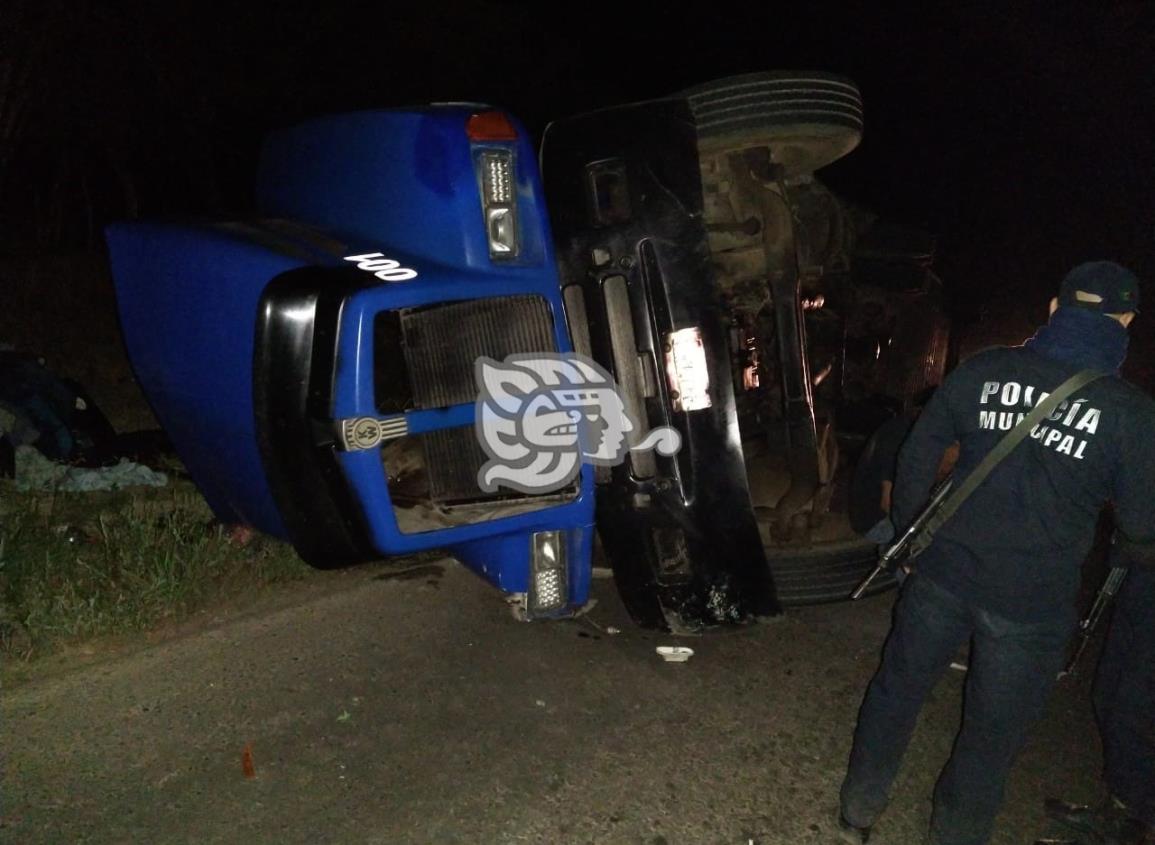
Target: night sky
[1023, 137]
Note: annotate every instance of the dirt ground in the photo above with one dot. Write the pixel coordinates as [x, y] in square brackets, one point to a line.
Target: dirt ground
[382, 706]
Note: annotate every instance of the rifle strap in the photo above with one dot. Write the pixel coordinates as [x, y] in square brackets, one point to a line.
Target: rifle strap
[1003, 448]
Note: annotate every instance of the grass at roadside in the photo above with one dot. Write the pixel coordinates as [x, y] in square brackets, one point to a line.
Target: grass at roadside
[79, 565]
[75, 566]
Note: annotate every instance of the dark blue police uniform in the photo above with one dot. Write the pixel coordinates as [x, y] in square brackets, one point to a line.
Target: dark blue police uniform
[1004, 571]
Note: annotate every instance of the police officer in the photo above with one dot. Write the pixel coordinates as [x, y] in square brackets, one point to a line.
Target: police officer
[1125, 710]
[1004, 571]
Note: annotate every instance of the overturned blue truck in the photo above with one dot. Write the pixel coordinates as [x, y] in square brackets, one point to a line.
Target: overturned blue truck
[319, 368]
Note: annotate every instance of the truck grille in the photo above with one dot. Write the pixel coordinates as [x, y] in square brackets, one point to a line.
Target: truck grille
[441, 344]
[443, 341]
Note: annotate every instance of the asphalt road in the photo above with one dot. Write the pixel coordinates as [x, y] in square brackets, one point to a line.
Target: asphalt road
[382, 709]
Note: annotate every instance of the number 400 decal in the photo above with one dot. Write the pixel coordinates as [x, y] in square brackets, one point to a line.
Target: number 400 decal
[383, 268]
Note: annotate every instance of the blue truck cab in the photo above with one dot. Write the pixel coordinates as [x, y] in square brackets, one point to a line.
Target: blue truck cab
[314, 367]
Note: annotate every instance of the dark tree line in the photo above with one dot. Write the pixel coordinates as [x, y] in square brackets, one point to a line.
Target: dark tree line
[114, 110]
[124, 108]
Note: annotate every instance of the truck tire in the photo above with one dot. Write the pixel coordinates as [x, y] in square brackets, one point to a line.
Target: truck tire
[807, 119]
[825, 573]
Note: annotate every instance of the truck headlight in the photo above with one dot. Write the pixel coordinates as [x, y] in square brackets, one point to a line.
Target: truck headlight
[498, 199]
[549, 572]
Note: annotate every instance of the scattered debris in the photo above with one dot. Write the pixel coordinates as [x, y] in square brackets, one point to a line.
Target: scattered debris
[675, 653]
[50, 421]
[53, 414]
[608, 630]
[240, 534]
[345, 716]
[36, 472]
[250, 770]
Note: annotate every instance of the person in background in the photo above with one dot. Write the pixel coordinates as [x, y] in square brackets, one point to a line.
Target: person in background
[872, 485]
[1125, 710]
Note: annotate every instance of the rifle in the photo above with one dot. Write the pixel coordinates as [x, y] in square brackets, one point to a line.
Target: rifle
[1091, 621]
[941, 507]
[902, 547]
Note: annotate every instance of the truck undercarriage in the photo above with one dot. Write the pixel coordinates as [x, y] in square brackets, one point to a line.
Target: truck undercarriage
[701, 214]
